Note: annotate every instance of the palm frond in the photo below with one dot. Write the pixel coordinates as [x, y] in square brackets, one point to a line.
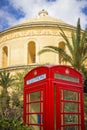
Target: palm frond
[67, 42]
[83, 44]
[6, 79]
[73, 36]
[57, 50]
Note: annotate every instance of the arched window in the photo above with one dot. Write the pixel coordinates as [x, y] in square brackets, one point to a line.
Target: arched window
[31, 53]
[4, 56]
[62, 46]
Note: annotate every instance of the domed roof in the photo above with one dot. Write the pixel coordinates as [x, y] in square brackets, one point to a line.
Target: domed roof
[44, 19]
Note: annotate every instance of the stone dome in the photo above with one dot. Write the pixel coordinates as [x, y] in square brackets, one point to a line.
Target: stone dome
[43, 19]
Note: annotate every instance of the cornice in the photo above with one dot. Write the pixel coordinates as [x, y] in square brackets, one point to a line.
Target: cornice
[20, 67]
[35, 25]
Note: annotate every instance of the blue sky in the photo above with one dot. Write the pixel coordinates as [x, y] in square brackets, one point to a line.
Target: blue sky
[13, 12]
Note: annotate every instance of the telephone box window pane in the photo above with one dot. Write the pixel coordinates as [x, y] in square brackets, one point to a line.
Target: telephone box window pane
[34, 107]
[35, 96]
[70, 119]
[70, 95]
[70, 107]
[71, 128]
[35, 119]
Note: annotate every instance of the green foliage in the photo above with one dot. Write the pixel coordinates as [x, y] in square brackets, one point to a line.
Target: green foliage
[11, 115]
[19, 82]
[85, 110]
[4, 101]
[6, 80]
[11, 105]
[85, 85]
[17, 94]
[85, 104]
[12, 124]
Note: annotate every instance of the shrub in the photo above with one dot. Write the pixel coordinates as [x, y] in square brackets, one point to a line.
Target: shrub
[12, 124]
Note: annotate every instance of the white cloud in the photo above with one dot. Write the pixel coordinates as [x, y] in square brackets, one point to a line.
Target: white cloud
[69, 11]
[66, 10]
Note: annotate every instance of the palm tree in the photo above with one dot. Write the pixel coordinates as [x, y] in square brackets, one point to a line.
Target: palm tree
[77, 54]
[6, 80]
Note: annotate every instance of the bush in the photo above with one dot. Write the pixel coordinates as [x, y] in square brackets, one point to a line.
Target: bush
[12, 124]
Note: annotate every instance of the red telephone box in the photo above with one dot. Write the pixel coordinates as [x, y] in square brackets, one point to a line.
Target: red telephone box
[53, 99]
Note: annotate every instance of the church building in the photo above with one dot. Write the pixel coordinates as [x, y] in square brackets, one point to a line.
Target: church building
[20, 44]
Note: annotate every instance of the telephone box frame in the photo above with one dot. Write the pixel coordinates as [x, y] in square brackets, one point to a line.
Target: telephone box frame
[51, 82]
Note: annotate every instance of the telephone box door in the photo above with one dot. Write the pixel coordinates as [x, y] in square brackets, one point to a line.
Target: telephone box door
[34, 108]
[68, 108]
